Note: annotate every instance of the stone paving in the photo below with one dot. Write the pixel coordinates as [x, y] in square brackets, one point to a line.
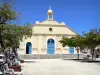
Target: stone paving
[59, 67]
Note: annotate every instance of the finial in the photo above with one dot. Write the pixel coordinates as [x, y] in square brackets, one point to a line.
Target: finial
[50, 14]
[49, 7]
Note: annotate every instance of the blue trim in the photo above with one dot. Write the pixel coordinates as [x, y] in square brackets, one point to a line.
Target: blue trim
[71, 50]
[28, 48]
[50, 46]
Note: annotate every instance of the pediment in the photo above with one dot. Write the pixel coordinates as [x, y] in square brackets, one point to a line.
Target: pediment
[50, 22]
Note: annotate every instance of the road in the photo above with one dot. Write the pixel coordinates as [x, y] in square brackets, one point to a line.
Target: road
[60, 67]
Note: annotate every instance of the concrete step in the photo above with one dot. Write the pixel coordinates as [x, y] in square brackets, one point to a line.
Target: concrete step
[46, 56]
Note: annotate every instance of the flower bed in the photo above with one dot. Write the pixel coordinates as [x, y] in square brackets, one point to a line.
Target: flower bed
[16, 68]
[10, 74]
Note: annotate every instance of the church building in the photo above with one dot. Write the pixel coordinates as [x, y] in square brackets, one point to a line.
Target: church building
[45, 38]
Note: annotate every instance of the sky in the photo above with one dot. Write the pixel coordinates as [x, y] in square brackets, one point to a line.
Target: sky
[79, 15]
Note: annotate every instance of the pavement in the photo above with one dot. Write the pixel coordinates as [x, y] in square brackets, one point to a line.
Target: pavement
[59, 67]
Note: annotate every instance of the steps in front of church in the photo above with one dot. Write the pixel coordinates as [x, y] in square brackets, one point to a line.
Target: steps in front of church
[48, 56]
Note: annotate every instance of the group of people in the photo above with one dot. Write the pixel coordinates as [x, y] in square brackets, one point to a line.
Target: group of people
[10, 59]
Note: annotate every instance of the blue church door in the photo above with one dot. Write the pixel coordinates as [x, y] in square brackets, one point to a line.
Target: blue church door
[50, 46]
[28, 48]
[71, 50]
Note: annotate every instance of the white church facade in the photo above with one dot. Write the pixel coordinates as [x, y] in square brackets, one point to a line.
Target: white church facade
[45, 38]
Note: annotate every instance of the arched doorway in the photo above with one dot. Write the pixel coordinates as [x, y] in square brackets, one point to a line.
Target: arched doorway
[50, 46]
[71, 49]
[28, 48]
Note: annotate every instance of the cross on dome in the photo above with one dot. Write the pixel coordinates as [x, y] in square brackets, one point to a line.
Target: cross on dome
[50, 10]
[49, 7]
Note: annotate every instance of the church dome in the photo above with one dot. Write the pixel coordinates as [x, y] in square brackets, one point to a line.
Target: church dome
[50, 11]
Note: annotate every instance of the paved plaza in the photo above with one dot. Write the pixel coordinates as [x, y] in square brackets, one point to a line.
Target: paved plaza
[59, 67]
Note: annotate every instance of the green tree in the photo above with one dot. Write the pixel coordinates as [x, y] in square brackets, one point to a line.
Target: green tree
[11, 34]
[89, 40]
[92, 39]
[6, 15]
[76, 42]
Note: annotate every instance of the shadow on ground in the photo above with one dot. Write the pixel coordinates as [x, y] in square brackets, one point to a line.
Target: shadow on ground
[85, 61]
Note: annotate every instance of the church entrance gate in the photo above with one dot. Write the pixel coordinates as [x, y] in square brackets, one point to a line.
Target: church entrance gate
[28, 48]
[50, 46]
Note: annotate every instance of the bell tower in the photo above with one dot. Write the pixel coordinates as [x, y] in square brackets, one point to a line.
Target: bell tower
[50, 14]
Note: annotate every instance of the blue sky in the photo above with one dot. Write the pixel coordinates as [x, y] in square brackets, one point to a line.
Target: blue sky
[79, 15]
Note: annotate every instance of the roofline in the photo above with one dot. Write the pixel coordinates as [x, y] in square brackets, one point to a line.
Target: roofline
[54, 34]
[71, 30]
[34, 25]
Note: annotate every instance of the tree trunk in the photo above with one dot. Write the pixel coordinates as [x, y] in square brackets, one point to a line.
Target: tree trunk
[1, 43]
[78, 54]
[1, 40]
[14, 51]
[92, 54]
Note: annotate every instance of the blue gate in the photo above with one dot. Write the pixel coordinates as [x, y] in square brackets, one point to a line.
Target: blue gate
[71, 50]
[28, 48]
[50, 46]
